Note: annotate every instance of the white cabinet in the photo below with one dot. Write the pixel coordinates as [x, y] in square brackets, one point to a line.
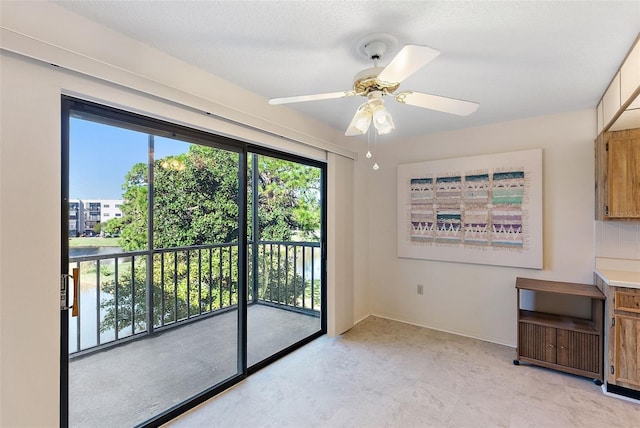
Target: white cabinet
[600, 118]
[630, 74]
[611, 100]
[623, 89]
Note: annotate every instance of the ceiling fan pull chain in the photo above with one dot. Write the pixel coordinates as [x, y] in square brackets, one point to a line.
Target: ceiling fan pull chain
[375, 147]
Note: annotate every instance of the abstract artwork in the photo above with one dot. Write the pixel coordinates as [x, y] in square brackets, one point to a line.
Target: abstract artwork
[482, 209]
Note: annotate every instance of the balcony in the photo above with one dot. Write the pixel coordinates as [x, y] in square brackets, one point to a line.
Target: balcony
[142, 362]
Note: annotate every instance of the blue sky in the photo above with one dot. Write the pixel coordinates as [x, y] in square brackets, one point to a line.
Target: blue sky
[101, 155]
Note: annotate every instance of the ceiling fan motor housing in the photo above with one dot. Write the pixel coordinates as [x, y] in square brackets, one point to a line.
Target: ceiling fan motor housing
[374, 47]
[367, 81]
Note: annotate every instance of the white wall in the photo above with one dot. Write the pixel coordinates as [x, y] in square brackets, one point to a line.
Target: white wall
[340, 297]
[479, 300]
[361, 214]
[618, 239]
[30, 264]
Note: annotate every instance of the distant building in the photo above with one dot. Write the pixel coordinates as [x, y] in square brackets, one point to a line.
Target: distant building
[74, 217]
[110, 208]
[84, 215]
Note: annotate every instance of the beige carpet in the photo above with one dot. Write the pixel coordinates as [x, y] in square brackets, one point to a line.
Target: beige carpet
[388, 374]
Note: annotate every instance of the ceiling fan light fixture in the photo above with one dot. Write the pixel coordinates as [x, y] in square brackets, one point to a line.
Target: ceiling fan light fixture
[382, 120]
[360, 122]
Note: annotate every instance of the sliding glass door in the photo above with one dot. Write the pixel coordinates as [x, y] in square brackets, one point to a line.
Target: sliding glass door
[285, 291]
[191, 260]
[153, 236]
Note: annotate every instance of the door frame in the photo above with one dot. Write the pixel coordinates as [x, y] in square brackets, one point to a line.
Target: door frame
[109, 114]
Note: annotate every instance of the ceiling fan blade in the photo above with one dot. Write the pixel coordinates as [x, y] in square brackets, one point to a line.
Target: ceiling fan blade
[436, 102]
[315, 97]
[409, 60]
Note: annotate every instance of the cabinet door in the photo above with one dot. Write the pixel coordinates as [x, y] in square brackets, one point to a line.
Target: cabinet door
[623, 173]
[537, 342]
[578, 350]
[627, 351]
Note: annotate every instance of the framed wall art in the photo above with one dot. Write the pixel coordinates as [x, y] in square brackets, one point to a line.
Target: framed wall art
[480, 209]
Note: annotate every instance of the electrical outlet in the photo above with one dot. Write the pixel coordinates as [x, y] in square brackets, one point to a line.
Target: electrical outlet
[420, 289]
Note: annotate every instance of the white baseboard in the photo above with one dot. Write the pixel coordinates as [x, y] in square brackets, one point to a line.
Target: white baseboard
[484, 339]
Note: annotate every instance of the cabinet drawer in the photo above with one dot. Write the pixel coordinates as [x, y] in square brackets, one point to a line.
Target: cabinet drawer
[627, 301]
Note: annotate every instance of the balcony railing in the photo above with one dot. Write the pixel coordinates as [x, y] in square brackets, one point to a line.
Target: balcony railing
[130, 294]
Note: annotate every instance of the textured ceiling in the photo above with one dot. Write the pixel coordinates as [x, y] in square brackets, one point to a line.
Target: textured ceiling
[517, 59]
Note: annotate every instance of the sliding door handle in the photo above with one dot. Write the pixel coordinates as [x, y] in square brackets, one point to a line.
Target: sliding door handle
[76, 290]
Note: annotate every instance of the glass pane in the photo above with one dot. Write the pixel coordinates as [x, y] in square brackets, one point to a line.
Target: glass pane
[171, 307]
[285, 258]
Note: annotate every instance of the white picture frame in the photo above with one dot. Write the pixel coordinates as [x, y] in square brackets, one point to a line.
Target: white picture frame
[480, 209]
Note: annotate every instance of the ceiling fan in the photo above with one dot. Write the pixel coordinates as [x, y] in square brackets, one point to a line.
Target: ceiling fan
[376, 82]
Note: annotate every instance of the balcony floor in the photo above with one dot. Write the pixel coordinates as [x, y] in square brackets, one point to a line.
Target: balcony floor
[128, 384]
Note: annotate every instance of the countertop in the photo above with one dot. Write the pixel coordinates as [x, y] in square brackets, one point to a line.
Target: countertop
[619, 272]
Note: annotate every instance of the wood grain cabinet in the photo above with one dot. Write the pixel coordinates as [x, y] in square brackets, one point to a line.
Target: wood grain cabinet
[617, 174]
[626, 367]
[565, 343]
[622, 335]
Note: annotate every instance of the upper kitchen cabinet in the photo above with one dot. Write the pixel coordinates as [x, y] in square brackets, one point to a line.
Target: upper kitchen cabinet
[630, 74]
[621, 95]
[611, 100]
[618, 175]
[617, 147]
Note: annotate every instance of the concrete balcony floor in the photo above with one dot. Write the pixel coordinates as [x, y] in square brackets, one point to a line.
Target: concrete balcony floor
[126, 385]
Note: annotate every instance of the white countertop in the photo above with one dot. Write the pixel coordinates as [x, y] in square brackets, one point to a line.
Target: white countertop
[619, 272]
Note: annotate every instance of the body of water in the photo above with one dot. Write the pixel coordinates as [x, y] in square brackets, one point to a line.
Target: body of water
[93, 251]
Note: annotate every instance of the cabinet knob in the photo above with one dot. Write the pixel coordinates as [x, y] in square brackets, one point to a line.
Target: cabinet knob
[551, 345]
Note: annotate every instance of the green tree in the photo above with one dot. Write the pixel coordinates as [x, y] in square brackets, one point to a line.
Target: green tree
[196, 198]
[134, 208]
[289, 199]
[113, 227]
[186, 286]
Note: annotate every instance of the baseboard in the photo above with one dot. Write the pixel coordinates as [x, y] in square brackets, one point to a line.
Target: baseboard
[362, 319]
[443, 330]
[625, 394]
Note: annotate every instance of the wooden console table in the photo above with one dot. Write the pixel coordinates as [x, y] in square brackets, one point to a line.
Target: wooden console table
[560, 342]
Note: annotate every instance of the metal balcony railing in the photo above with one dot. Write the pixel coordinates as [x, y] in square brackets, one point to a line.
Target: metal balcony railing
[130, 294]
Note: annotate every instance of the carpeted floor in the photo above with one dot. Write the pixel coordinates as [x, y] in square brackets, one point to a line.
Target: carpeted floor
[384, 373]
